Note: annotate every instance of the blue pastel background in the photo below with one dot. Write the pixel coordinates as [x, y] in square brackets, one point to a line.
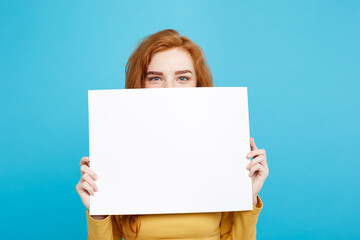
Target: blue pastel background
[299, 60]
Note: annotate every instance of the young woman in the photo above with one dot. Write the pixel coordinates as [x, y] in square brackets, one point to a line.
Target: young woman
[166, 59]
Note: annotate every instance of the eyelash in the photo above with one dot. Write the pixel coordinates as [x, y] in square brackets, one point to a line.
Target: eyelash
[152, 78]
[186, 78]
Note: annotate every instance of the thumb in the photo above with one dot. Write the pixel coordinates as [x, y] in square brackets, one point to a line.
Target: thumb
[252, 144]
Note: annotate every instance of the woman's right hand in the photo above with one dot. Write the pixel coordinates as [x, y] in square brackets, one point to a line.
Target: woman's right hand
[86, 186]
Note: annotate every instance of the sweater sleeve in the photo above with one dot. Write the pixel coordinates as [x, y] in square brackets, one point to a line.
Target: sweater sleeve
[105, 229]
[240, 225]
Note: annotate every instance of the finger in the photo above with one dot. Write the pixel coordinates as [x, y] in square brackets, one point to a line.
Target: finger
[255, 152]
[85, 169]
[88, 188]
[259, 159]
[84, 160]
[257, 167]
[91, 182]
[252, 144]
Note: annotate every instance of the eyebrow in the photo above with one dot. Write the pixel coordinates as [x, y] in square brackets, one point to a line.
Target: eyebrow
[154, 73]
[161, 74]
[182, 72]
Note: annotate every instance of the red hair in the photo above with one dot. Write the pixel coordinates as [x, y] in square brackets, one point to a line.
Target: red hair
[139, 60]
[136, 69]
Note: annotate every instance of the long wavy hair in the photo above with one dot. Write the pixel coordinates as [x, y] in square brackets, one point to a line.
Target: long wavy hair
[136, 69]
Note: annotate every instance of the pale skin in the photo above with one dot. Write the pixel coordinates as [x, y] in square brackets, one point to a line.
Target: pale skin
[174, 68]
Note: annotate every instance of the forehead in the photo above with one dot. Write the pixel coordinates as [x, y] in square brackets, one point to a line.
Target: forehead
[171, 60]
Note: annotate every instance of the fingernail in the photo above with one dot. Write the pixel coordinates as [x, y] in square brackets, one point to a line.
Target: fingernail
[96, 177]
[248, 155]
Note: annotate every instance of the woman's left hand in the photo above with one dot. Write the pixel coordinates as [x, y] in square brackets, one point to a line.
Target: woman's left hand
[258, 169]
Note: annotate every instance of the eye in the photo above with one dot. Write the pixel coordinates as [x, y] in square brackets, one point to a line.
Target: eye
[183, 78]
[154, 79]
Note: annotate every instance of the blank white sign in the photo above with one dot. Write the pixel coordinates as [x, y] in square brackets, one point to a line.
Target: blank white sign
[169, 150]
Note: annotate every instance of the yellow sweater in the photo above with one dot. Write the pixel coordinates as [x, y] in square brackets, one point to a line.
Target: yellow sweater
[239, 225]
